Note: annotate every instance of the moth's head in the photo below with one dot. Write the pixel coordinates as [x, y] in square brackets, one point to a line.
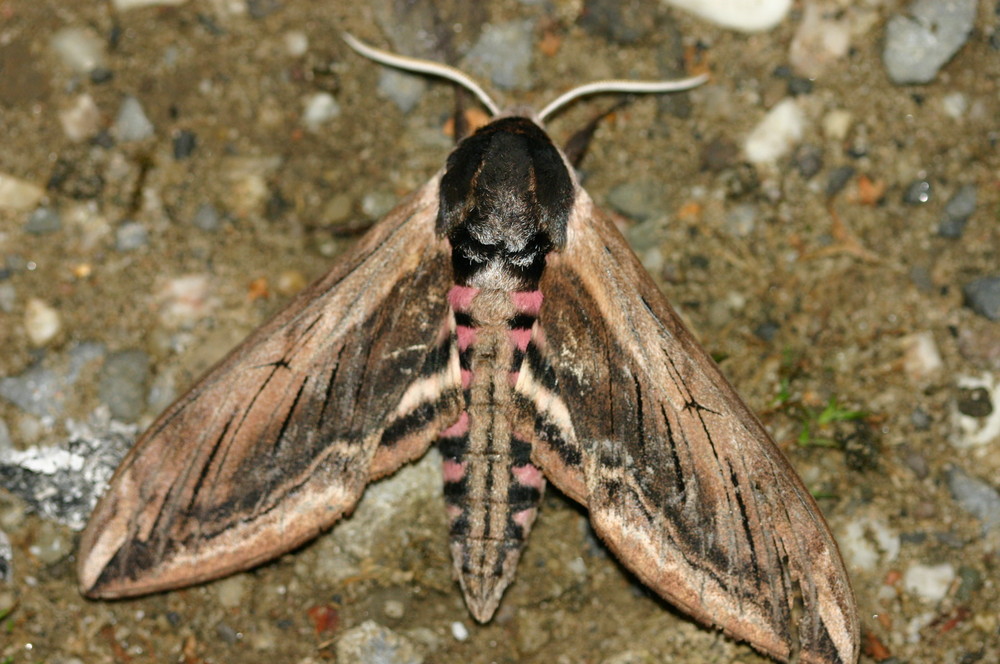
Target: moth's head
[507, 186]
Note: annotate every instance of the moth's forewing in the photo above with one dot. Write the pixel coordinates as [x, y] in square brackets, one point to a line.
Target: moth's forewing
[680, 478]
[355, 377]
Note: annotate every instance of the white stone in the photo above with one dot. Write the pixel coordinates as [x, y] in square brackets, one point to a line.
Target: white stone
[742, 15]
[17, 194]
[81, 120]
[954, 105]
[132, 123]
[296, 43]
[459, 631]
[79, 49]
[921, 358]
[41, 322]
[837, 124]
[867, 542]
[320, 108]
[775, 135]
[822, 38]
[929, 582]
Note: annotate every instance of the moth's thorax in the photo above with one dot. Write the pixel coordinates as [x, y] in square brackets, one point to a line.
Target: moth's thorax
[505, 199]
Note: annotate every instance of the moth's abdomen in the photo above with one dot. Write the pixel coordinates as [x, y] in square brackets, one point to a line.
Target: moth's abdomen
[492, 490]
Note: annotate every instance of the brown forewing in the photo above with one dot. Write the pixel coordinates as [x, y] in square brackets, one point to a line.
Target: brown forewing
[681, 480]
[278, 441]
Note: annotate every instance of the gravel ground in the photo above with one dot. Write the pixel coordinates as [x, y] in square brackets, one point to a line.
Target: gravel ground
[172, 174]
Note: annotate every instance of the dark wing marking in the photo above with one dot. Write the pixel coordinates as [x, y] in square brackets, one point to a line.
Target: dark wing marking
[355, 377]
[635, 420]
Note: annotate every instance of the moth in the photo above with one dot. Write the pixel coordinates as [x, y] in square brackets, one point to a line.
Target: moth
[500, 314]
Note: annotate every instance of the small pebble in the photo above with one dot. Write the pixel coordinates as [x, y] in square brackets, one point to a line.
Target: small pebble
[916, 462]
[338, 209]
[82, 119]
[974, 412]
[637, 199]
[921, 358]
[17, 194]
[371, 642]
[741, 219]
[41, 321]
[122, 5]
[929, 582]
[776, 133]
[51, 543]
[917, 192]
[822, 38]
[123, 383]
[808, 160]
[837, 124]
[227, 633]
[6, 564]
[983, 296]
[377, 203]
[401, 88]
[459, 631]
[925, 36]
[207, 218]
[977, 497]
[8, 297]
[839, 177]
[43, 220]
[79, 49]
[184, 144]
[131, 124]
[742, 15]
[320, 108]
[974, 402]
[971, 582]
[262, 8]
[101, 75]
[957, 211]
[503, 53]
[767, 330]
[954, 105]
[394, 609]
[296, 43]
[131, 235]
[290, 282]
[6, 443]
[920, 419]
[232, 591]
[620, 21]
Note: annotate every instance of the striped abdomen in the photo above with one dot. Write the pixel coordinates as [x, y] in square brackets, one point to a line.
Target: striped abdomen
[492, 489]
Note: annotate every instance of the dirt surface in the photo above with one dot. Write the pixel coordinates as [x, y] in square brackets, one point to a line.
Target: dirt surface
[810, 303]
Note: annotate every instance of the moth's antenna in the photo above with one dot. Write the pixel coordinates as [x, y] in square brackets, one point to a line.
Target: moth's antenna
[422, 67]
[603, 87]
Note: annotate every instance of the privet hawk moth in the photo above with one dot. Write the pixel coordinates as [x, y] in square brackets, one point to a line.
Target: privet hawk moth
[499, 313]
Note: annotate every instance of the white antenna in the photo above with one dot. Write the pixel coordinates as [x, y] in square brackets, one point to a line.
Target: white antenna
[456, 76]
[423, 67]
[634, 87]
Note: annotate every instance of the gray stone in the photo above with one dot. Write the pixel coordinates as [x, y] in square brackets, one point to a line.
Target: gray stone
[131, 235]
[503, 53]
[43, 220]
[976, 497]
[123, 383]
[919, 42]
[983, 296]
[957, 211]
[372, 643]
